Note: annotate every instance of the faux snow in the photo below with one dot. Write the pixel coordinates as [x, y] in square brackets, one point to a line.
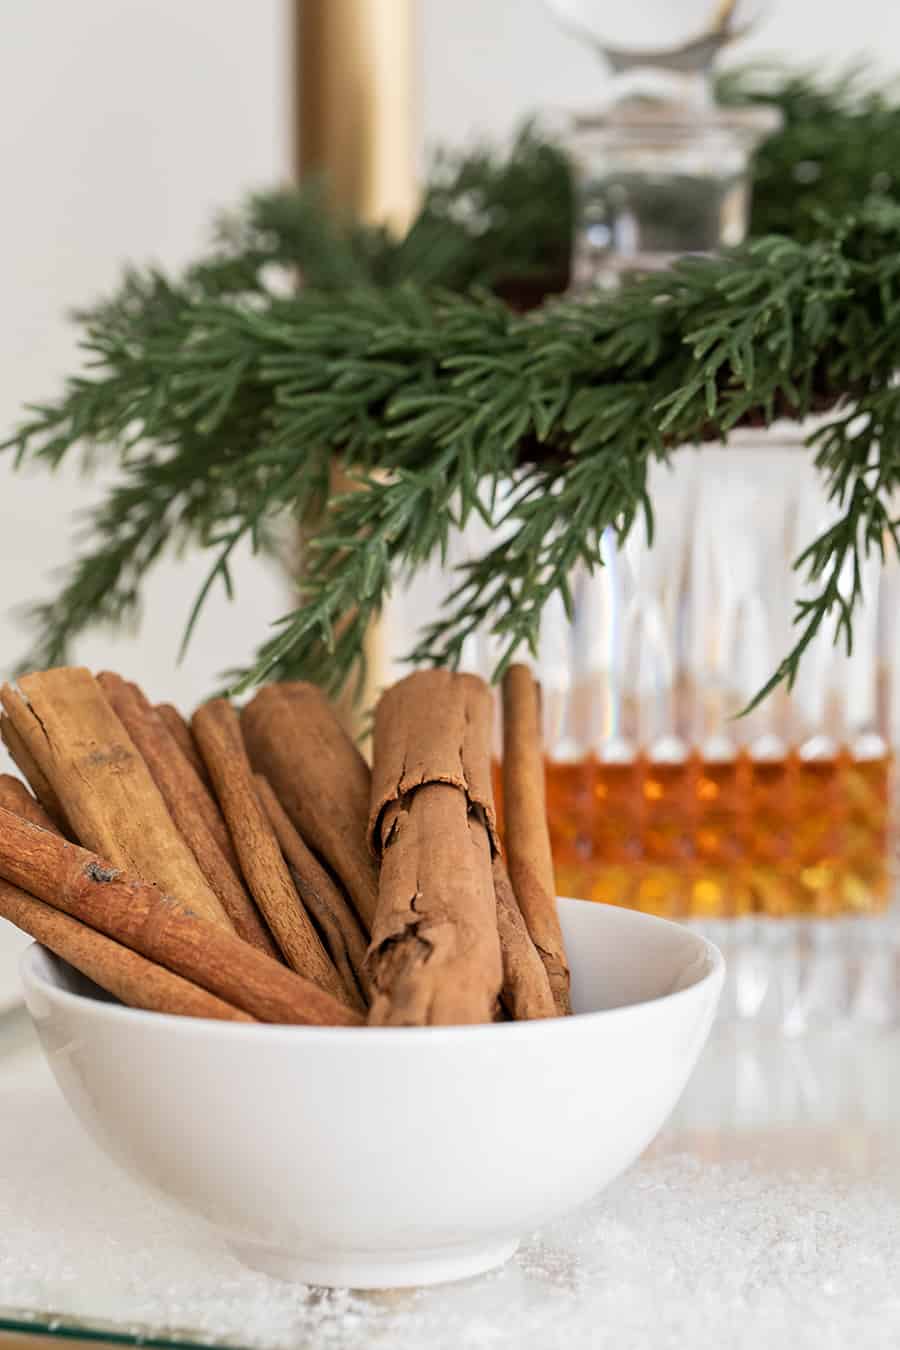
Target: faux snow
[729, 1235]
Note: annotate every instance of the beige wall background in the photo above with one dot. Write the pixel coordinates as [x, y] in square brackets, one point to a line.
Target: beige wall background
[124, 127]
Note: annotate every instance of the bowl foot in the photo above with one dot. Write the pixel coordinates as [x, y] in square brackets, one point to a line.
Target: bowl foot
[375, 1270]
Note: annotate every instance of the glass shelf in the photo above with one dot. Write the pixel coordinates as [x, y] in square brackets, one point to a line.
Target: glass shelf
[20, 1329]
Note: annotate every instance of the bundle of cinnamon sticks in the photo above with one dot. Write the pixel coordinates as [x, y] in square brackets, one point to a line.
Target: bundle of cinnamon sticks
[249, 866]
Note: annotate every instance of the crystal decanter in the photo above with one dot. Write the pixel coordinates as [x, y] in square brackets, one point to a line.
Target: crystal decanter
[773, 830]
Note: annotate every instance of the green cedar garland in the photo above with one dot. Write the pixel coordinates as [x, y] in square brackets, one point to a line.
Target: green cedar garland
[226, 401]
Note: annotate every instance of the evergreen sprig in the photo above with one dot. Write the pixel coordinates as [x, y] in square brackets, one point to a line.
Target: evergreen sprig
[228, 403]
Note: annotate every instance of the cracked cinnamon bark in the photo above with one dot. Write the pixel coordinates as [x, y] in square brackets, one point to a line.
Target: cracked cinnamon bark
[435, 955]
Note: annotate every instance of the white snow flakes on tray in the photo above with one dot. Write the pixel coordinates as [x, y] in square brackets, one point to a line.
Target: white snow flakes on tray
[679, 1253]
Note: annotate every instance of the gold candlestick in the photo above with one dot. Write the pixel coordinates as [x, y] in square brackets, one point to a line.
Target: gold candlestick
[355, 104]
[355, 124]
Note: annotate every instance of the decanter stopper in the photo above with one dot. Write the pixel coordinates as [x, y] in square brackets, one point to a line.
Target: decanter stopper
[662, 169]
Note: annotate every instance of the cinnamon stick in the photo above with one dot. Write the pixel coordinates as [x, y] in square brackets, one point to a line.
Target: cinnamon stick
[330, 910]
[217, 730]
[190, 806]
[182, 734]
[130, 978]
[25, 762]
[14, 796]
[435, 954]
[193, 782]
[529, 857]
[526, 989]
[137, 914]
[294, 738]
[109, 797]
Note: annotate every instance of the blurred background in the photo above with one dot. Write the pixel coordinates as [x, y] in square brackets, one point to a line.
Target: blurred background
[127, 127]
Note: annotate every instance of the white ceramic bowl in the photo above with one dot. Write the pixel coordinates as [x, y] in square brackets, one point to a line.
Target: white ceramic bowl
[388, 1157]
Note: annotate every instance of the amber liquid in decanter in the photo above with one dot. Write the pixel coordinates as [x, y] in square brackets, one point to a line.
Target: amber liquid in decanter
[701, 839]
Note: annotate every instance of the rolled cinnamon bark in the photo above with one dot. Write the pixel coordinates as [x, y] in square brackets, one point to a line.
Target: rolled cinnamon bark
[528, 853]
[526, 989]
[27, 765]
[435, 954]
[182, 735]
[15, 797]
[217, 731]
[294, 738]
[137, 915]
[105, 787]
[190, 806]
[132, 979]
[191, 784]
[330, 910]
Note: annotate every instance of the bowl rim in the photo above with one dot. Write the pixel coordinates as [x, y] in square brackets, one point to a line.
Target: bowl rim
[712, 975]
